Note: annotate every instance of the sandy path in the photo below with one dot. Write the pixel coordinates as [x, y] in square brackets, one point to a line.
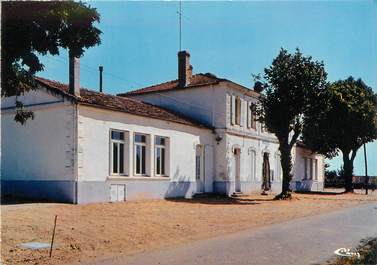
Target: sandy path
[86, 232]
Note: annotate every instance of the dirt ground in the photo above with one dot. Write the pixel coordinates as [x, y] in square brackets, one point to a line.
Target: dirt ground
[86, 232]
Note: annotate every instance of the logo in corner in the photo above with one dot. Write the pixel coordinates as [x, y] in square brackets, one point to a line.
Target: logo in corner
[347, 252]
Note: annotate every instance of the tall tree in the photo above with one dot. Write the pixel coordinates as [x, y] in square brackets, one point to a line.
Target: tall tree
[31, 28]
[291, 81]
[344, 121]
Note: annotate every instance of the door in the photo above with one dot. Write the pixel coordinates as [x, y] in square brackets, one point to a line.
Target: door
[266, 171]
[117, 192]
[199, 168]
[237, 160]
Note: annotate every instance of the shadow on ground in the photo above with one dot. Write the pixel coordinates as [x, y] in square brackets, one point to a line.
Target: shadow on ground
[319, 192]
[222, 200]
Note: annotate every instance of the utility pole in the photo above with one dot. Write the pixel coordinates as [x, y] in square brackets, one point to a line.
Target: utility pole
[366, 170]
[180, 25]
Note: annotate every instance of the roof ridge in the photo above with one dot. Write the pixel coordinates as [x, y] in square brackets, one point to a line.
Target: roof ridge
[198, 79]
[142, 88]
[97, 92]
[39, 78]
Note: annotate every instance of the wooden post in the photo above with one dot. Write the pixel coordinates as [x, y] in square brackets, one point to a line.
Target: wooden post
[53, 236]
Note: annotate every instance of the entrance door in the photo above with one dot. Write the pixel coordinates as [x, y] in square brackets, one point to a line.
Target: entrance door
[237, 164]
[266, 185]
[199, 161]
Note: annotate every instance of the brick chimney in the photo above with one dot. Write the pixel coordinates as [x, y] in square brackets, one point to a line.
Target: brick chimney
[184, 69]
[74, 76]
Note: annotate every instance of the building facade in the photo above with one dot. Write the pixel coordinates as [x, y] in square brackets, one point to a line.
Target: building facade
[192, 135]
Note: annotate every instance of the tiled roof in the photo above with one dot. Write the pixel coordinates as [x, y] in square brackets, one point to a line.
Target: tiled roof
[123, 104]
[196, 81]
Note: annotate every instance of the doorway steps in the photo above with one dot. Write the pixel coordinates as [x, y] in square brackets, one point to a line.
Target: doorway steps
[238, 194]
[206, 195]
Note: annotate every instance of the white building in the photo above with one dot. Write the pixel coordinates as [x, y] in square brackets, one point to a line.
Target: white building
[192, 135]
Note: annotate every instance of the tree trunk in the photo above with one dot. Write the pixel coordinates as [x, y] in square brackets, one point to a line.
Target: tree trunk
[286, 164]
[348, 171]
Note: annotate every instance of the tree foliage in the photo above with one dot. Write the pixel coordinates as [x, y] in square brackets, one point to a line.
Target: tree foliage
[31, 28]
[344, 121]
[291, 82]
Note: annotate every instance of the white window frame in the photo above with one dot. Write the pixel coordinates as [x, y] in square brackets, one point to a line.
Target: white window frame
[164, 163]
[136, 144]
[118, 142]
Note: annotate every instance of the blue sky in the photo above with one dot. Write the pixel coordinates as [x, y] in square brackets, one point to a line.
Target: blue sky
[232, 39]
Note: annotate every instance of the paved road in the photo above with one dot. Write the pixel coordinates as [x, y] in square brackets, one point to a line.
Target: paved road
[301, 241]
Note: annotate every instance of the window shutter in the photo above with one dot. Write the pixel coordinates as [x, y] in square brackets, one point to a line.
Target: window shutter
[241, 112]
[249, 117]
[233, 110]
[238, 112]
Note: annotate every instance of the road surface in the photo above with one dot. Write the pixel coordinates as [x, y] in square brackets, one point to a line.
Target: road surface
[308, 240]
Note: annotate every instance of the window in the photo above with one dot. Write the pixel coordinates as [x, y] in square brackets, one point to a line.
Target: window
[160, 155]
[305, 168]
[272, 176]
[311, 168]
[117, 152]
[140, 154]
[199, 161]
[238, 111]
[251, 122]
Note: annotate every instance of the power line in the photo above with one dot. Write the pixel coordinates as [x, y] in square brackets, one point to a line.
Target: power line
[95, 70]
[91, 69]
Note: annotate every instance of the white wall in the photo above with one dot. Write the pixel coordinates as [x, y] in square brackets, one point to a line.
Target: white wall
[299, 165]
[41, 95]
[43, 148]
[246, 145]
[94, 146]
[205, 103]
[243, 128]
